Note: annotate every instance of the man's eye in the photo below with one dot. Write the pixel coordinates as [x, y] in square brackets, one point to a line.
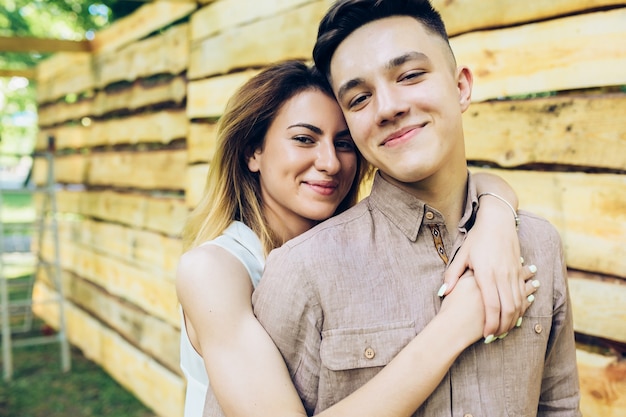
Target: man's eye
[411, 75]
[358, 100]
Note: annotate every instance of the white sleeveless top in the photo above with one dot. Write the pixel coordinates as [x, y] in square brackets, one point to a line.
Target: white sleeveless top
[244, 244]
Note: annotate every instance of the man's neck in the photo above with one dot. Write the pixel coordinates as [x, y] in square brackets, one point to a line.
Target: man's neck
[446, 193]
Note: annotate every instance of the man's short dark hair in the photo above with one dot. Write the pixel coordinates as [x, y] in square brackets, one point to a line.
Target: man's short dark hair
[346, 16]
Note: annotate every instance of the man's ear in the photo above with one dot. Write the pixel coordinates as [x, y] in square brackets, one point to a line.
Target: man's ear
[465, 81]
[254, 161]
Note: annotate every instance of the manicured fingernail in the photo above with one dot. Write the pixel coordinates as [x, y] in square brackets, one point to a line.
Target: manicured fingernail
[489, 339]
[503, 335]
[531, 298]
[519, 322]
[442, 290]
[532, 269]
[521, 258]
[535, 283]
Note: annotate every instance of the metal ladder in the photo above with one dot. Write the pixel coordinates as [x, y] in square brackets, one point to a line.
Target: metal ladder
[45, 221]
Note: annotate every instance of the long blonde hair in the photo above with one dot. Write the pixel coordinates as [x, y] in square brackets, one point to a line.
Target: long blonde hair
[232, 191]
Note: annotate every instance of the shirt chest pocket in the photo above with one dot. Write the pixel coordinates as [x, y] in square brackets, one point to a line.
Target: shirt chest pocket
[351, 349]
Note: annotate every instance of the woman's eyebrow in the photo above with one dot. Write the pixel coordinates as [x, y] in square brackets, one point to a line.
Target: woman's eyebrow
[312, 128]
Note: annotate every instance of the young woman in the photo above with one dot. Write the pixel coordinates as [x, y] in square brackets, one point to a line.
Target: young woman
[285, 161]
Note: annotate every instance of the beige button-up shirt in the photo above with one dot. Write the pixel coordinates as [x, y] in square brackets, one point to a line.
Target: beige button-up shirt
[341, 300]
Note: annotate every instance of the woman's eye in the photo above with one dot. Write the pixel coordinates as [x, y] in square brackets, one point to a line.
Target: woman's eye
[303, 139]
[344, 145]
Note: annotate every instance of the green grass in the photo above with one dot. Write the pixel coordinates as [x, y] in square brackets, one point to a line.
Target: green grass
[39, 388]
[17, 208]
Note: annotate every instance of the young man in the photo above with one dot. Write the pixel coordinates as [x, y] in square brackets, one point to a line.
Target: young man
[341, 300]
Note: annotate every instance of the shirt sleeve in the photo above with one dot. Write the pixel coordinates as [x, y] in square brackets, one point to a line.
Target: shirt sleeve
[560, 392]
[286, 306]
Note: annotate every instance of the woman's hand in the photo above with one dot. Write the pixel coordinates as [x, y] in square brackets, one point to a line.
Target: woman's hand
[464, 309]
[492, 251]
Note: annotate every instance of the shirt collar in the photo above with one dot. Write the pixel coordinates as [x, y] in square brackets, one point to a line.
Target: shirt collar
[407, 212]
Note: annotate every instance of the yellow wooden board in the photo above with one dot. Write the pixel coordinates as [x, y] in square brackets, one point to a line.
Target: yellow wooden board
[583, 131]
[469, 15]
[151, 170]
[156, 386]
[562, 54]
[589, 211]
[165, 53]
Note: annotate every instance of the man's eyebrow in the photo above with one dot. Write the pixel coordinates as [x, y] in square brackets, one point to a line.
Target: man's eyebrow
[312, 128]
[393, 63]
[348, 85]
[409, 56]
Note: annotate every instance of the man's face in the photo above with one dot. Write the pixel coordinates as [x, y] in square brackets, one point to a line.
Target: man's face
[402, 97]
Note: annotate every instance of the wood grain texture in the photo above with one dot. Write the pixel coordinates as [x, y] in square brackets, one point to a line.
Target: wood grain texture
[580, 131]
[289, 35]
[155, 337]
[164, 214]
[599, 305]
[589, 211]
[207, 98]
[219, 16]
[155, 385]
[602, 384]
[141, 23]
[201, 142]
[151, 290]
[139, 96]
[470, 15]
[151, 170]
[165, 53]
[580, 54]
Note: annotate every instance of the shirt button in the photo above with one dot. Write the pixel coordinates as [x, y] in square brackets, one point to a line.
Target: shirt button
[538, 328]
[369, 353]
[430, 215]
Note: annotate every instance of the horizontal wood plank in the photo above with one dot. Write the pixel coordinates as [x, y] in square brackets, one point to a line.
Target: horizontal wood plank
[41, 45]
[584, 131]
[142, 248]
[580, 54]
[599, 305]
[286, 36]
[171, 93]
[219, 16]
[602, 384]
[165, 53]
[589, 211]
[146, 127]
[138, 211]
[196, 182]
[30, 73]
[68, 136]
[141, 23]
[156, 386]
[201, 142]
[151, 290]
[207, 98]
[76, 76]
[68, 169]
[151, 170]
[56, 64]
[56, 113]
[470, 15]
[153, 336]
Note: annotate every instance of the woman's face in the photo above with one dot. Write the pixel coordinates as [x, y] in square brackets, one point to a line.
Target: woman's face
[307, 163]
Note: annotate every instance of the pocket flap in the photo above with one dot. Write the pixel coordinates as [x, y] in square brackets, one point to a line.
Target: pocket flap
[343, 349]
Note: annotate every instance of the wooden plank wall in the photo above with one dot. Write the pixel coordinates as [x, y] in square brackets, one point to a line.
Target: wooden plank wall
[134, 124]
